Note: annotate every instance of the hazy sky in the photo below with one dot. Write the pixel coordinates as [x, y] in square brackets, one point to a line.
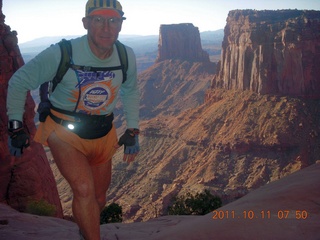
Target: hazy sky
[38, 18]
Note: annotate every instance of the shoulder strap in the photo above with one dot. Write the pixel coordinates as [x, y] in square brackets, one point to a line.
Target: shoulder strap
[47, 88]
[66, 56]
[122, 52]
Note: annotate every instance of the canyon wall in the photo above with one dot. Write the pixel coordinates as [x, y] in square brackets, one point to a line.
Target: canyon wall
[28, 177]
[180, 41]
[271, 52]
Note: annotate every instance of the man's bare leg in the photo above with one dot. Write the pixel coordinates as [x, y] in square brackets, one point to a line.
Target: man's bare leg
[102, 178]
[74, 166]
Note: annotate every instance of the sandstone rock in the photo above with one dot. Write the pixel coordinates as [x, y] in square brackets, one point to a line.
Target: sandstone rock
[28, 177]
[180, 41]
[271, 52]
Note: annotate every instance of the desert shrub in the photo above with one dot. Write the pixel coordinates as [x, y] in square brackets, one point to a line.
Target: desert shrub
[40, 207]
[111, 214]
[198, 204]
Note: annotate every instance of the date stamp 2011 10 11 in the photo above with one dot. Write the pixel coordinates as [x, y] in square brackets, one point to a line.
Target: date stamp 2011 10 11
[262, 214]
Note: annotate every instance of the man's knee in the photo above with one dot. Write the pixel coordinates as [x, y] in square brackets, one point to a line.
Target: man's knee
[101, 201]
[83, 189]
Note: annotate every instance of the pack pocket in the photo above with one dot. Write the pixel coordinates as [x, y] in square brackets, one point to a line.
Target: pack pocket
[88, 126]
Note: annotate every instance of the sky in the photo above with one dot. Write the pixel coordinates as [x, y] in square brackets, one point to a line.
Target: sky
[37, 18]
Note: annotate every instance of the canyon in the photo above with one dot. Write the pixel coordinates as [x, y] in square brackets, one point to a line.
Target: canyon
[203, 130]
[231, 127]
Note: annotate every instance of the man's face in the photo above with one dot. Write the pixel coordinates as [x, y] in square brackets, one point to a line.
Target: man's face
[103, 30]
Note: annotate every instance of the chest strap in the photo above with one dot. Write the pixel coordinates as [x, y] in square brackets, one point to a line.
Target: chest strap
[95, 69]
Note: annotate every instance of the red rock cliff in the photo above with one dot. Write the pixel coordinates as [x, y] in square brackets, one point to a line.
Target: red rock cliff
[28, 177]
[271, 52]
[181, 41]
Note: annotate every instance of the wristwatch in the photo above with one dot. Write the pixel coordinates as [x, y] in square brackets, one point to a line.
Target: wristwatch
[14, 125]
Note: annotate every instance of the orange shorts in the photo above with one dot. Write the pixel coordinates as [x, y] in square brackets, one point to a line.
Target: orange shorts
[97, 151]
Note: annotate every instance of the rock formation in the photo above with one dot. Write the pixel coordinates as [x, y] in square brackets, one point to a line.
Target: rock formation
[180, 41]
[28, 177]
[271, 52]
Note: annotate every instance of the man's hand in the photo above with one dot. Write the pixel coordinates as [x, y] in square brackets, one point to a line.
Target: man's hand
[18, 138]
[130, 140]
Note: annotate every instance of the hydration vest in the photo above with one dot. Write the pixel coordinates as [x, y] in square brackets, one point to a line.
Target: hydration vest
[65, 63]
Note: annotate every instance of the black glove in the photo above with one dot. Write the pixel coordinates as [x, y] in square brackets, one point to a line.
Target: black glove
[44, 110]
[130, 140]
[18, 138]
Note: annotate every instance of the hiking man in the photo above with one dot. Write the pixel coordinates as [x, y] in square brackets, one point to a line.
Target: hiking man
[79, 128]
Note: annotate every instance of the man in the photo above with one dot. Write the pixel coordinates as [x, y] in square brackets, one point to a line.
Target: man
[79, 129]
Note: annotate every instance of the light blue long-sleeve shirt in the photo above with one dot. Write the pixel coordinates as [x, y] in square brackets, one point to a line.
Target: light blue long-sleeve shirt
[88, 92]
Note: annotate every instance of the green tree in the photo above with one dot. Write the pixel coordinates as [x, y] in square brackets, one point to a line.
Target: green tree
[111, 214]
[198, 204]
